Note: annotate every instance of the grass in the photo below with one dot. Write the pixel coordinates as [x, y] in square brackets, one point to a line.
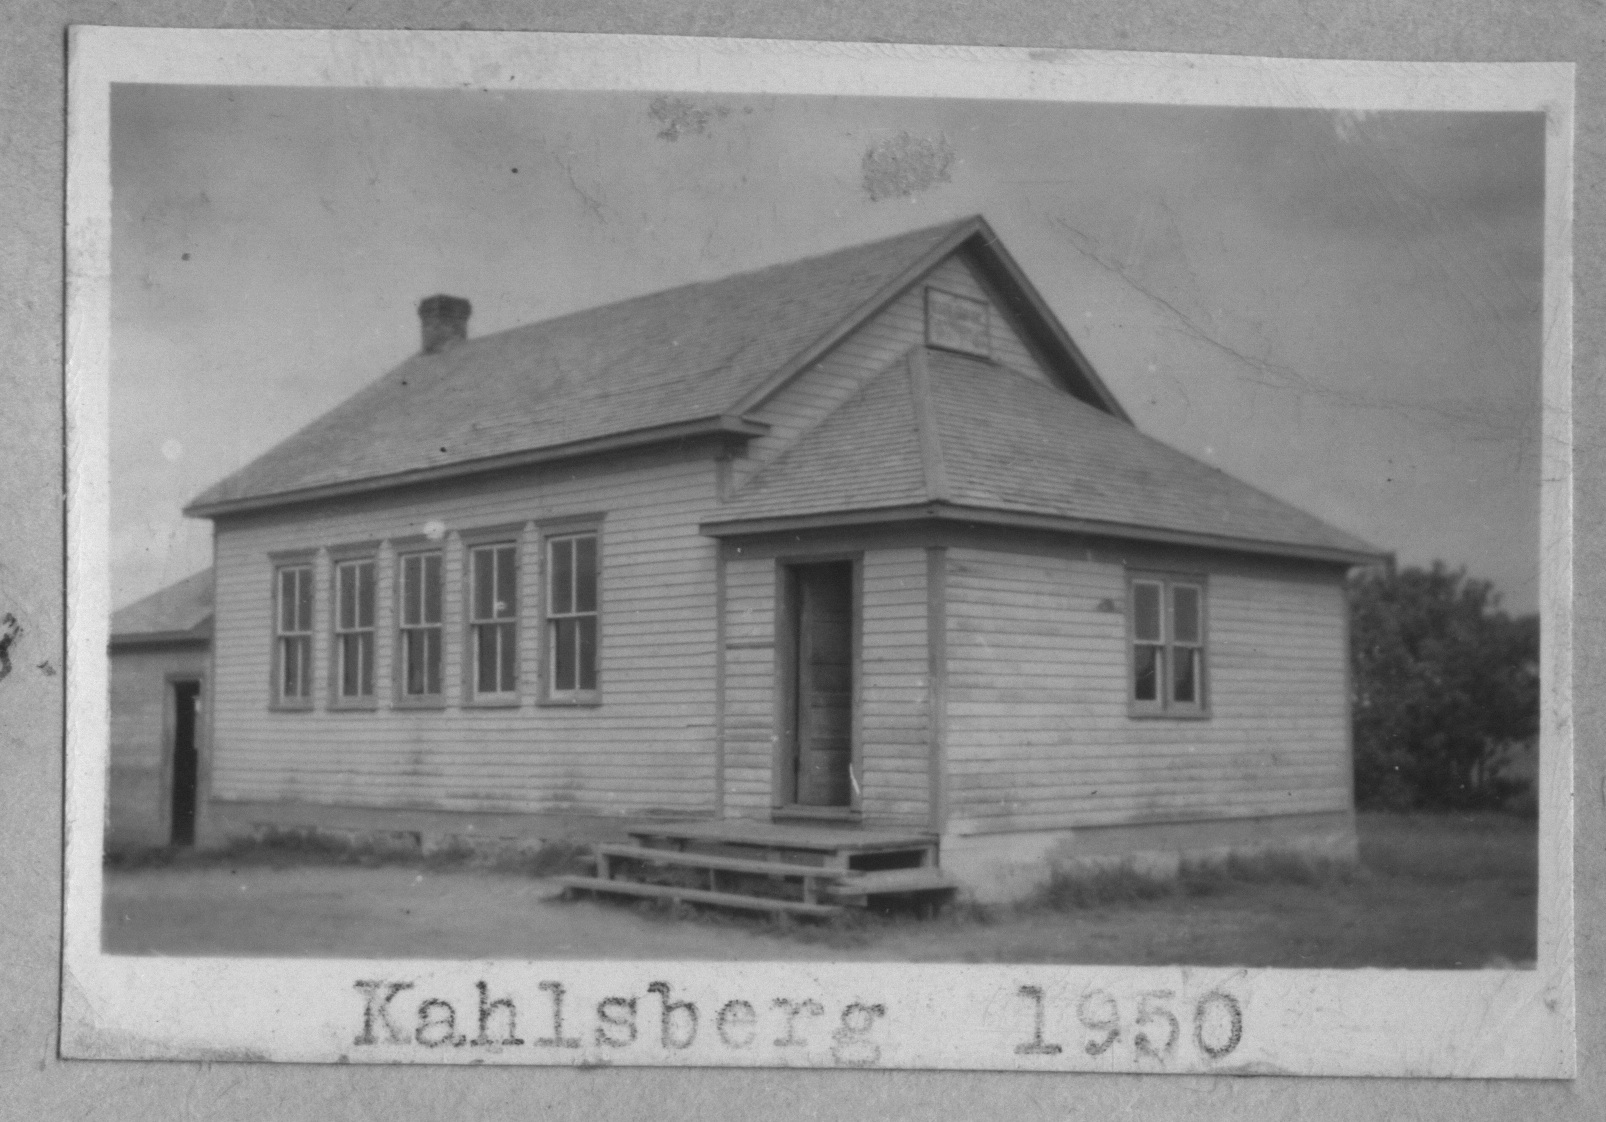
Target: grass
[292, 848]
[1428, 890]
[1431, 891]
[1123, 883]
[1452, 848]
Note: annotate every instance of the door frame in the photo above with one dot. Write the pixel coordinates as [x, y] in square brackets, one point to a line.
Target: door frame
[783, 778]
[170, 680]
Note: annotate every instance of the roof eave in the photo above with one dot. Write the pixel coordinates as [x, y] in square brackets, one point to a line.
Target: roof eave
[132, 640]
[956, 514]
[722, 425]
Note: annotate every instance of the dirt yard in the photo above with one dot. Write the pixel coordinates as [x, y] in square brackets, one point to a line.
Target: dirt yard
[1440, 891]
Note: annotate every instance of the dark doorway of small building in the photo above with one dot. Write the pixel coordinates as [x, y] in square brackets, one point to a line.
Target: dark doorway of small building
[818, 762]
[186, 760]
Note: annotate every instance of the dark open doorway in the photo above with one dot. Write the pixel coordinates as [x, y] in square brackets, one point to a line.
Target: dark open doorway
[186, 759]
[818, 760]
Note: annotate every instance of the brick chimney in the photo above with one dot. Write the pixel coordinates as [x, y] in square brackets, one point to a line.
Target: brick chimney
[444, 322]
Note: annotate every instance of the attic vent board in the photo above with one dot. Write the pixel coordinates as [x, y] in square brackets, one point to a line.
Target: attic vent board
[958, 323]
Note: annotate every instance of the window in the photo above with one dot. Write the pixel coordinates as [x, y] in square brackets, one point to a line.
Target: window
[420, 626]
[957, 323]
[571, 615]
[1168, 645]
[292, 670]
[354, 630]
[493, 620]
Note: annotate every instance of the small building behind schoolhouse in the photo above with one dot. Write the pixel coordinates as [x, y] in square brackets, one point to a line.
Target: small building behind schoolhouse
[160, 652]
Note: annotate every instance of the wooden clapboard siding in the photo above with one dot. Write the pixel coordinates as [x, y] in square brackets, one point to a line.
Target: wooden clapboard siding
[138, 794]
[647, 746]
[1038, 732]
[895, 750]
[892, 719]
[749, 685]
[880, 341]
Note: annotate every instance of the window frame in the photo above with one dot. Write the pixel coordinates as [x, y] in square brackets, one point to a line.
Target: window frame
[338, 699]
[400, 698]
[277, 699]
[550, 694]
[934, 295]
[1165, 704]
[473, 543]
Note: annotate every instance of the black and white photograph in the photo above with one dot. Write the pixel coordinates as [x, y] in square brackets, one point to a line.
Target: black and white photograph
[781, 531]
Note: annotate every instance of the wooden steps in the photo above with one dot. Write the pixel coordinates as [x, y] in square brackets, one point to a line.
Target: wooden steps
[859, 888]
[698, 896]
[711, 861]
[769, 868]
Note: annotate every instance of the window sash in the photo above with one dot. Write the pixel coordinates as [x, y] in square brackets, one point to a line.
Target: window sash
[574, 654]
[421, 662]
[1187, 675]
[493, 616]
[295, 678]
[572, 616]
[354, 629]
[494, 595]
[421, 589]
[356, 660]
[293, 620]
[1185, 620]
[1147, 615]
[495, 659]
[295, 600]
[354, 595]
[1148, 671]
[421, 646]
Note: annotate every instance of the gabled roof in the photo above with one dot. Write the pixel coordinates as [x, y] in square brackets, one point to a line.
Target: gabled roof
[943, 435]
[673, 364]
[179, 613]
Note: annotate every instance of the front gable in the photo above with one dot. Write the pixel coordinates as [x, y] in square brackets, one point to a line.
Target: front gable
[908, 320]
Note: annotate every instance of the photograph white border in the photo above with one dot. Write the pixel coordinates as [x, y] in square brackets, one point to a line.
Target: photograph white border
[1487, 1023]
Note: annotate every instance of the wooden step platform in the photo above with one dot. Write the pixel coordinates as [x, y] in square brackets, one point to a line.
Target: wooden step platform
[698, 896]
[774, 879]
[834, 846]
[860, 888]
[788, 835]
[769, 867]
[711, 861]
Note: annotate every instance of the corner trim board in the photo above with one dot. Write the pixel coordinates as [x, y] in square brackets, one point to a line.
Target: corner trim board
[719, 679]
[937, 683]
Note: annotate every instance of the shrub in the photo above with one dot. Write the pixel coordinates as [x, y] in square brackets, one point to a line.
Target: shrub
[1442, 685]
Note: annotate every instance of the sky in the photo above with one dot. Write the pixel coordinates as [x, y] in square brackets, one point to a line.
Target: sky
[1342, 309]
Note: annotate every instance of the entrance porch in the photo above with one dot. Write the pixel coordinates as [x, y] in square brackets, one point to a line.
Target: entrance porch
[787, 868]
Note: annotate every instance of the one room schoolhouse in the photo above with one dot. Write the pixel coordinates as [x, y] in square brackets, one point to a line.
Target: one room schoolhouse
[856, 543]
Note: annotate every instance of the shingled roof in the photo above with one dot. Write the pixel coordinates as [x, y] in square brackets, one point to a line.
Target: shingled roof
[666, 365]
[179, 613]
[943, 435]
[937, 434]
